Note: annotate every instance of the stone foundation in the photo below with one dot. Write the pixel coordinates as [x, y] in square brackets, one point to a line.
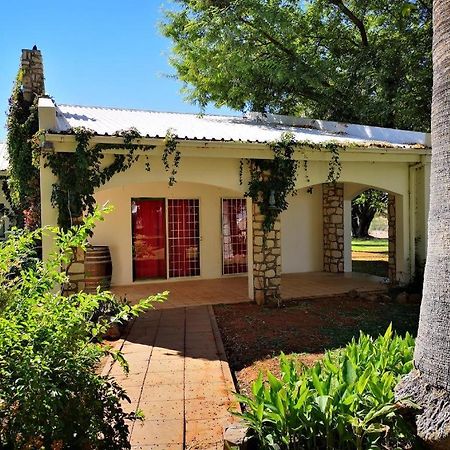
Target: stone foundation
[333, 227]
[76, 273]
[392, 247]
[266, 260]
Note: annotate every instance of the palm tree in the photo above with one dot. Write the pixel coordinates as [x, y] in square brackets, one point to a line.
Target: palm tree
[429, 383]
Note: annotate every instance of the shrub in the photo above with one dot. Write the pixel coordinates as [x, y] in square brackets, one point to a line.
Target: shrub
[51, 395]
[346, 401]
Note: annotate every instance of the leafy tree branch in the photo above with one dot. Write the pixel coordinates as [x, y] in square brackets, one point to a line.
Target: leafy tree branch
[356, 20]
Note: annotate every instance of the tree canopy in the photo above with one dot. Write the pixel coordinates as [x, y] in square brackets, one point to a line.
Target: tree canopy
[364, 61]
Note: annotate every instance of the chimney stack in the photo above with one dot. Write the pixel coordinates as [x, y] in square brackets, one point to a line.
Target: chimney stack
[32, 74]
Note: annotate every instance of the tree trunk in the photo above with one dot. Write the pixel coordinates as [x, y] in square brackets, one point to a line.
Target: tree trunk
[365, 221]
[355, 224]
[362, 216]
[429, 383]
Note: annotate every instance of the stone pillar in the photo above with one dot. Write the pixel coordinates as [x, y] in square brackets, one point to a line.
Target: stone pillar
[392, 247]
[333, 227]
[32, 74]
[266, 260]
[76, 273]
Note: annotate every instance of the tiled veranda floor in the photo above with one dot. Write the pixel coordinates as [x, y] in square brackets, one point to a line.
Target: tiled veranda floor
[235, 289]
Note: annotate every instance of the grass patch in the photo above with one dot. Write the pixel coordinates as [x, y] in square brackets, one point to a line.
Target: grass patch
[370, 256]
[370, 245]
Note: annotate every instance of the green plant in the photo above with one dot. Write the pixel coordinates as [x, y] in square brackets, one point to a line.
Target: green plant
[334, 166]
[82, 172]
[171, 151]
[352, 61]
[273, 180]
[346, 401]
[23, 183]
[51, 395]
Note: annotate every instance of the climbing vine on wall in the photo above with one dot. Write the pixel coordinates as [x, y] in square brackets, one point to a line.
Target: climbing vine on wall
[273, 180]
[334, 166]
[80, 173]
[8, 212]
[23, 184]
[171, 156]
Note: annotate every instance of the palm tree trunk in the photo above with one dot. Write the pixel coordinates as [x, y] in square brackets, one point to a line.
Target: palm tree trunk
[429, 384]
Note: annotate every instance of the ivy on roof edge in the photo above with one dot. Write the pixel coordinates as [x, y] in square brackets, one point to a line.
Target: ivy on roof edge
[80, 173]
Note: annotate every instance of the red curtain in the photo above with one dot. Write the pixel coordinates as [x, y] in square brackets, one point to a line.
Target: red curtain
[149, 239]
[234, 228]
[234, 224]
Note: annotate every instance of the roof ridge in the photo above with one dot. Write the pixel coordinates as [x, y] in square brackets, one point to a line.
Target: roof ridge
[115, 108]
[263, 118]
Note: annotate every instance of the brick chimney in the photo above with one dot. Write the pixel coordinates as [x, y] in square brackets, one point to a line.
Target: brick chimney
[33, 74]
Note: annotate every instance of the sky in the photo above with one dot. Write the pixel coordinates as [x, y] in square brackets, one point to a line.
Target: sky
[98, 53]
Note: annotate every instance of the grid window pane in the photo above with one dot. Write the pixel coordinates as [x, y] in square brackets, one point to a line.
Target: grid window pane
[234, 235]
[184, 237]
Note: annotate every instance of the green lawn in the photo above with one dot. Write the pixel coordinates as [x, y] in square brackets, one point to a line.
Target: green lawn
[370, 245]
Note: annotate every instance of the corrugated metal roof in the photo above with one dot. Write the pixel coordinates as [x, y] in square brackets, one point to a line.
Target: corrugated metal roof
[3, 156]
[254, 127]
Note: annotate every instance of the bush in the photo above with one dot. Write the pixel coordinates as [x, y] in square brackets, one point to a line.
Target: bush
[51, 395]
[346, 401]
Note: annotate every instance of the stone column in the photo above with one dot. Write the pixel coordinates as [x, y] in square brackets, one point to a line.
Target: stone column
[32, 74]
[266, 260]
[76, 273]
[392, 247]
[333, 227]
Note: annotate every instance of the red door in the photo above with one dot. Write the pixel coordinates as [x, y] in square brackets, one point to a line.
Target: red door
[149, 238]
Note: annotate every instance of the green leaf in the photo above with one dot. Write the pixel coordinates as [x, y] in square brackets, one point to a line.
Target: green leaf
[348, 372]
[323, 402]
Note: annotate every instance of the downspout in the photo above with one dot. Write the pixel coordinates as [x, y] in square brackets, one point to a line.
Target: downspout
[412, 217]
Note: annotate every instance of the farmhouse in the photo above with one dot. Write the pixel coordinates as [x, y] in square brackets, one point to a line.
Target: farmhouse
[204, 227]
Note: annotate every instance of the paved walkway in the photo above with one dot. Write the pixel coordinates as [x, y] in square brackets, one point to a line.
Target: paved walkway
[179, 378]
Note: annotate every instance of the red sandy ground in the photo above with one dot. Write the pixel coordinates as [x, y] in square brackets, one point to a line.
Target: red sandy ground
[254, 336]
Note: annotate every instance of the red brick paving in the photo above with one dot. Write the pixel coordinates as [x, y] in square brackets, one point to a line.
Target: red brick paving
[179, 378]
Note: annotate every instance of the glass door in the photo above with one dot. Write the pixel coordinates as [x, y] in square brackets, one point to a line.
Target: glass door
[184, 237]
[149, 238]
[234, 235]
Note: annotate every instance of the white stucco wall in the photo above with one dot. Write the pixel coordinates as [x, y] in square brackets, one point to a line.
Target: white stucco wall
[301, 232]
[212, 172]
[116, 231]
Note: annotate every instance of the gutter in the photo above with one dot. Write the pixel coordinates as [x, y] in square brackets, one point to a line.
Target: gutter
[197, 144]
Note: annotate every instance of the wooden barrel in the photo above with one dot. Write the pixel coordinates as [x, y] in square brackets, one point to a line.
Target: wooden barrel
[97, 268]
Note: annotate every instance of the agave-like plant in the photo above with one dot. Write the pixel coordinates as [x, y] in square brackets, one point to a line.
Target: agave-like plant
[346, 401]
